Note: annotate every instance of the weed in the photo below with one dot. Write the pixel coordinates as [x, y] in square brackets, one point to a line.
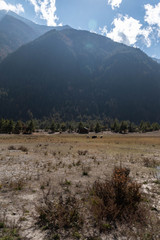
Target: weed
[116, 199]
[150, 163]
[85, 171]
[55, 237]
[23, 149]
[82, 153]
[76, 235]
[8, 230]
[157, 181]
[12, 147]
[58, 214]
[17, 184]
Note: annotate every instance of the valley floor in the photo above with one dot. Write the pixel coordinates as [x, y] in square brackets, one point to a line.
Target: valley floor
[30, 164]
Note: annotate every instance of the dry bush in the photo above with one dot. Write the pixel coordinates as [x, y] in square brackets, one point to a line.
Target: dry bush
[118, 199]
[150, 163]
[82, 153]
[12, 147]
[86, 170]
[23, 149]
[17, 184]
[58, 214]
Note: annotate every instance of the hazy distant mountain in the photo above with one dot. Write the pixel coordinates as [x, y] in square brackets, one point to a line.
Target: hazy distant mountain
[76, 73]
[157, 60]
[39, 29]
[13, 34]
[16, 31]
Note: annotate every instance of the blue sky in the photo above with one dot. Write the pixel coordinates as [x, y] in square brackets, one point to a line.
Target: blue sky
[132, 22]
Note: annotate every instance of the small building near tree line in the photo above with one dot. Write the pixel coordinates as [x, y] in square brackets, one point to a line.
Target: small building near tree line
[83, 130]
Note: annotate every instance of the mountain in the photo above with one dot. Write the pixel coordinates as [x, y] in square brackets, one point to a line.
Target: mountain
[39, 29]
[16, 31]
[157, 60]
[73, 73]
[13, 34]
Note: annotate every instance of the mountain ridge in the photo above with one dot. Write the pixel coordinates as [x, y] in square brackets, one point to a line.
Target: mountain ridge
[16, 31]
[74, 72]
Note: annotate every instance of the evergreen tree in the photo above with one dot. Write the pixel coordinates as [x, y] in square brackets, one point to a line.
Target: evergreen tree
[10, 127]
[63, 127]
[58, 127]
[91, 128]
[80, 127]
[18, 127]
[115, 126]
[123, 127]
[131, 127]
[30, 128]
[53, 127]
[155, 126]
[2, 123]
[97, 128]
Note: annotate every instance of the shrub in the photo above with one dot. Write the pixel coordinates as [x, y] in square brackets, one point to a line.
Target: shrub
[17, 184]
[23, 149]
[82, 153]
[60, 214]
[116, 199]
[11, 147]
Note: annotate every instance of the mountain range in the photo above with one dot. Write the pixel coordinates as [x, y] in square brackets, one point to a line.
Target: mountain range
[77, 73]
[16, 31]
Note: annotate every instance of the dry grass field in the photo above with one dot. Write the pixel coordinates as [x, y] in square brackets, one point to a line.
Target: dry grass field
[62, 165]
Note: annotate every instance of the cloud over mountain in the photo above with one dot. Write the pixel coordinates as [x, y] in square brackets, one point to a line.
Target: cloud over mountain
[46, 9]
[10, 7]
[128, 30]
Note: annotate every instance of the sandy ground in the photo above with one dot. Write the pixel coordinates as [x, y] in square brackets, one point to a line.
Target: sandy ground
[30, 163]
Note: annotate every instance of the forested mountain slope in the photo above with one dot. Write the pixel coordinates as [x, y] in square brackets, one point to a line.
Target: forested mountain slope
[74, 73]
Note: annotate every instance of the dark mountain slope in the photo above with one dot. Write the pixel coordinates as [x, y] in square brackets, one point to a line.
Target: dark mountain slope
[77, 72]
[16, 31]
[13, 33]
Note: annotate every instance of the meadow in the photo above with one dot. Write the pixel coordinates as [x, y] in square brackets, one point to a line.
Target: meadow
[39, 172]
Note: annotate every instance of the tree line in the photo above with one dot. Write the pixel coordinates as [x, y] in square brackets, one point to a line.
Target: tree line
[11, 127]
[52, 126]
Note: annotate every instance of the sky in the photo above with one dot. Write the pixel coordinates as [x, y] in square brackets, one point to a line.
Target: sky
[132, 22]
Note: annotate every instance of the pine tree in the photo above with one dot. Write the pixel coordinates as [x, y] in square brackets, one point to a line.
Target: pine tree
[53, 127]
[80, 127]
[10, 127]
[97, 128]
[18, 127]
[63, 127]
[30, 128]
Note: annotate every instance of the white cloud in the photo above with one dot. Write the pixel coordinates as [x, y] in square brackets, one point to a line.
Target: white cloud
[152, 16]
[128, 30]
[104, 30]
[9, 7]
[47, 10]
[114, 3]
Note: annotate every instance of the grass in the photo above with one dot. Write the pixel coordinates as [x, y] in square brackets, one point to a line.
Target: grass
[72, 164]
[8, 230]
[60, 213]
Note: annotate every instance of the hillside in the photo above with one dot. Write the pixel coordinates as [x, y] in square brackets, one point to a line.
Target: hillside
[157, 60]
[75, 73]
[13, 33]
[16, 31]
